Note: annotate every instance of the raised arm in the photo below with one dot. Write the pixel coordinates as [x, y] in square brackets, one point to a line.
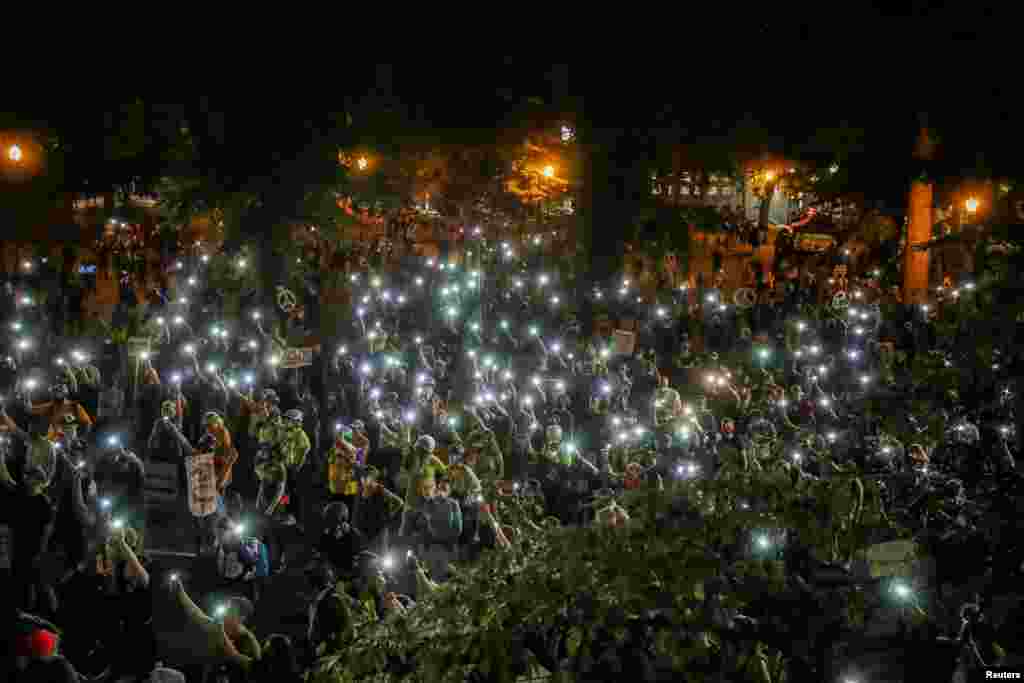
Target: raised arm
[85, 516]
[194, 613]
[186, 447]
[14, 429]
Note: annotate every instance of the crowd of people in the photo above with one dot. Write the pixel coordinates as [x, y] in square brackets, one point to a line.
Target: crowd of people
[387, 458]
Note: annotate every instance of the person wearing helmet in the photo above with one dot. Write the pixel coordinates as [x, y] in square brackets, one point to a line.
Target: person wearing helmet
[482, 451]
[60, 406]
[341, 460]
[418, 464]
[261, 412]
[224, 453]
[41, 452]
[551, 452]
[296, 445]
[379, 510]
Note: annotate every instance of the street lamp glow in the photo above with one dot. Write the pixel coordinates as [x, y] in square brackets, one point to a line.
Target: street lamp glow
[15, 154]
[549, 171]
[971, 204]
[362, 163]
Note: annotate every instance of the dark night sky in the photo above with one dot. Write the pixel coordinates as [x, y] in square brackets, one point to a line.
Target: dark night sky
[796, 67]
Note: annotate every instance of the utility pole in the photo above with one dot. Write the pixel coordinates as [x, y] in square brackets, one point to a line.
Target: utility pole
[919, 223]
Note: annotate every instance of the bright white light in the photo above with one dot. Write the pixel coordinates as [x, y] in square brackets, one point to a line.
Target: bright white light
[763, 542]
[801, 326]
[902, 591]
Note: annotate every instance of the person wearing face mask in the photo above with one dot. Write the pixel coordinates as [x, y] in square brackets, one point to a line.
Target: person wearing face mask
[163, 446]
[32, 530]
[340, 543]
[295, 444]
[243, 560]
[40, 450]
[341, 461]
[121, 478]
[419, 463]
[482, 450]
[437, 525]
[224, 453]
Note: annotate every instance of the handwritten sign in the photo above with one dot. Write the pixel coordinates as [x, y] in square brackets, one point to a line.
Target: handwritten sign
[202, 485]
[297, 358]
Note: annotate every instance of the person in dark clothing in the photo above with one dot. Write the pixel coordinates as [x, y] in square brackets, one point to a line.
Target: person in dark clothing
[121, 478]
[339, 542]
[32, 523]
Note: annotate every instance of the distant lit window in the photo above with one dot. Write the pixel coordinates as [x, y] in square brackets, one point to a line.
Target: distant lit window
[568, 134]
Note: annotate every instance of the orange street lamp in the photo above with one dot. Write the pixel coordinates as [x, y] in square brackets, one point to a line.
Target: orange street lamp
[971, 204]
[770, 176]
[362, 163]
[549, 171]
[14, 153]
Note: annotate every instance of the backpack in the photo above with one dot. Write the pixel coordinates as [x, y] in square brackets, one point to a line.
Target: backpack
[250, 561]
[254, 555]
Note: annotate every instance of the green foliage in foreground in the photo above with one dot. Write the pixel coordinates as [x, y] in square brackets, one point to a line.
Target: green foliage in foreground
[655, 598]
